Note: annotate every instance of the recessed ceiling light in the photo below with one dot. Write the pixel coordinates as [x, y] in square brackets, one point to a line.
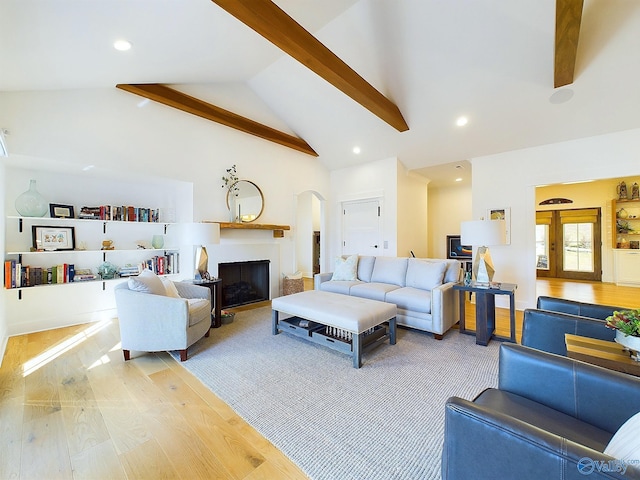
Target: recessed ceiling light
[356, 150]
[462, 121]
[122, 45]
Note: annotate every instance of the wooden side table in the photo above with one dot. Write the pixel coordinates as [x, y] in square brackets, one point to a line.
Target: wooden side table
[603, 353]
[486, 310]
[215, 285]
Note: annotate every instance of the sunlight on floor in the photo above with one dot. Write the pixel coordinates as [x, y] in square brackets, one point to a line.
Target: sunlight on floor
[35, 363]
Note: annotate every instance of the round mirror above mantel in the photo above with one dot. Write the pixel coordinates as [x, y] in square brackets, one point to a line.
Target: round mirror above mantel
[245, 201]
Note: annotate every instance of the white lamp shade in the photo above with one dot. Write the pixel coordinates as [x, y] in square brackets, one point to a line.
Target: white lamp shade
[483, 232]
[201, 234]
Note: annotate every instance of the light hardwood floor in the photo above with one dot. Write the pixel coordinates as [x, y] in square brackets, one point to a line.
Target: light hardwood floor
[70, 407]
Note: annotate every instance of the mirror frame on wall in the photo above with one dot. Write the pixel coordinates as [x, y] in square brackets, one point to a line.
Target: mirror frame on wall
[239, 197]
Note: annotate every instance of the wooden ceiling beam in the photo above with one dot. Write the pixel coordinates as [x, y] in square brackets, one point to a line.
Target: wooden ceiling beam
[267, 19]
[568, 19]
[173, 98]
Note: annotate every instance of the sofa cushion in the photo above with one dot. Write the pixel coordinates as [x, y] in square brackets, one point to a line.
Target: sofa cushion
[410, 298]
[423, 274]
[625, 444]
[147, 282]
[544, 417]
[346, 269]
[365, 267]
[170, 288]
[453, 271]
[338, 286]
[199, 310]
[372, 290]
[390, 270]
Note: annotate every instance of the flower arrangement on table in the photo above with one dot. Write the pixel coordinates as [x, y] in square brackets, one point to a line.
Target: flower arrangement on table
[626, 322]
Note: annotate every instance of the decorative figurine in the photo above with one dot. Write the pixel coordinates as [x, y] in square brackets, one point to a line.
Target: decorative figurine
[635, 194]
[622, 191]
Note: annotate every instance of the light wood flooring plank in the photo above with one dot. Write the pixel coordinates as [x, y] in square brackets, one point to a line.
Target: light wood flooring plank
[98, 462]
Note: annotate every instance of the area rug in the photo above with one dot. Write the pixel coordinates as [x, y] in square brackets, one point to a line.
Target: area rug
[382, 421]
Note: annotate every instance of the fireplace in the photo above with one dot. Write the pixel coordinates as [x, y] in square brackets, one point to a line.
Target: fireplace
[244, 282]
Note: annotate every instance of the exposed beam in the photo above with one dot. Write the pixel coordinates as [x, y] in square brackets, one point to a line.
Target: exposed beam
[568, 19]
[266, 18]
[173, 98]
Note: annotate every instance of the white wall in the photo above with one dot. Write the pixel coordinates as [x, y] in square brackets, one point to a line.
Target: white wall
[448, 207]
[412, 214]
[371, 180]
[307, 221]
[509, 180]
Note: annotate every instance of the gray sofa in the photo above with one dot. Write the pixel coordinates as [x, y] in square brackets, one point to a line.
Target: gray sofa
[421, 288]
[550, 417]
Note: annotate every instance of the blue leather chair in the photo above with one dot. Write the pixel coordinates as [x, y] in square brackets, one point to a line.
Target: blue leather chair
[551, 417]
[573, 307]
[544, 328]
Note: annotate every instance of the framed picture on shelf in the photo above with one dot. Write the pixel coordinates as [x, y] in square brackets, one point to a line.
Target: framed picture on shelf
[53, 238]
[456, 250]
[502, 214]
[61, 211]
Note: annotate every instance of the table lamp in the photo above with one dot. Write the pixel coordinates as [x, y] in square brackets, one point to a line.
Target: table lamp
[201, 234]
[482, 233]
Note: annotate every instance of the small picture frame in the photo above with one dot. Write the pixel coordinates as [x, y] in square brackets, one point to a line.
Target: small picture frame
[53, 238]
[502, 214]
[457, 251]
[57, 210]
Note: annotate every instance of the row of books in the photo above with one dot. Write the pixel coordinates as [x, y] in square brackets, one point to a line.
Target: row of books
[120, 213]
[160, 264]
[17, 275]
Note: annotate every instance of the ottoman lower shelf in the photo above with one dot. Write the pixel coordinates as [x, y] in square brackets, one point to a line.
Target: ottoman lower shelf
[317, 333]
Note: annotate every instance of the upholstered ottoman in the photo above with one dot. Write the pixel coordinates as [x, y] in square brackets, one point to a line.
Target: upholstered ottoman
[340, 322]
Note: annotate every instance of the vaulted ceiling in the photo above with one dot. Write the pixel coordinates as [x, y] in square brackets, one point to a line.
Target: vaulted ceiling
[491, 60]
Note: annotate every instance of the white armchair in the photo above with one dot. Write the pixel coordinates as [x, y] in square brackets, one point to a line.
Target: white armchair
[153, 323]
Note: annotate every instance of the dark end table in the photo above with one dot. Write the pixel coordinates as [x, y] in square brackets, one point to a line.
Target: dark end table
[486, 310]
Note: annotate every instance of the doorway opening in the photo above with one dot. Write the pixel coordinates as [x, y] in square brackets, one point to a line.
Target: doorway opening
[569, 244]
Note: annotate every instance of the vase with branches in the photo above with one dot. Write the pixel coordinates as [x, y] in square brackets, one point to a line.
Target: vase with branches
[230, 182]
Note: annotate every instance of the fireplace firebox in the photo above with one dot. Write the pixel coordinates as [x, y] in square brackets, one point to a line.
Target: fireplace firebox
[244, 282]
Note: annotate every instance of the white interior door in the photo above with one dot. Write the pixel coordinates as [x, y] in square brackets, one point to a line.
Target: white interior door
[362, 227]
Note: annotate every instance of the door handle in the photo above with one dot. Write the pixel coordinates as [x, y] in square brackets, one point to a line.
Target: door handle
[374, 246]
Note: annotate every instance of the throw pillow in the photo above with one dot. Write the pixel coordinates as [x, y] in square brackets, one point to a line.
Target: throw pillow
[170, 288]
[346, 269]
[147, 282]
[425, 275]
[625, 444]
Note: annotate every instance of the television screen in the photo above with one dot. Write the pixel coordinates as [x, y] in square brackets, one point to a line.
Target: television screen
[456, 250]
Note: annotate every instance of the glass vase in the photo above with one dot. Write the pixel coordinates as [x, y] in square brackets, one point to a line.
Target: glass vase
[157, 241]
[31, 203]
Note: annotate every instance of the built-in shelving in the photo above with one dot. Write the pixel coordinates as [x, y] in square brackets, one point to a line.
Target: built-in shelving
[625, 213]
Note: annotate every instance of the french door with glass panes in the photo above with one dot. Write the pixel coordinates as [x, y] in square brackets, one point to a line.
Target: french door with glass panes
[568, 244]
